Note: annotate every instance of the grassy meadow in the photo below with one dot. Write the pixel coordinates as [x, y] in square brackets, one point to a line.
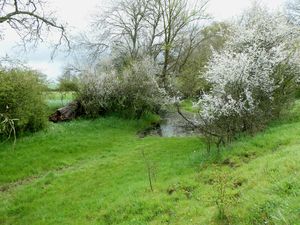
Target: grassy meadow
[96, 172]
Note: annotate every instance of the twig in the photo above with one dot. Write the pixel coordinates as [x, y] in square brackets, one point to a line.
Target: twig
[148, 166]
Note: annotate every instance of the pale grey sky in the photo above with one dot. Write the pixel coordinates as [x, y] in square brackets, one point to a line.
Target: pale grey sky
[77, 14]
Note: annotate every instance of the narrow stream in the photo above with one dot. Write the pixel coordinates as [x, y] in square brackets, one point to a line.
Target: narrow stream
[172, 125]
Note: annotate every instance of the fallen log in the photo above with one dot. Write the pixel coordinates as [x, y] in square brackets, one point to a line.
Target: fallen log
[66, 113]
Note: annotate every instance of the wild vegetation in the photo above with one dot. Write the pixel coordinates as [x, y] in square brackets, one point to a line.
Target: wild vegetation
[233, 84]
[21, 98]
[132, 92]
[253, 79]
[93, 172]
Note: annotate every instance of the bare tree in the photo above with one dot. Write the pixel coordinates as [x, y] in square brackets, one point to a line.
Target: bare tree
[154, 31]
[120, 27]
[166, 30]
[29, 19]
[180, 24]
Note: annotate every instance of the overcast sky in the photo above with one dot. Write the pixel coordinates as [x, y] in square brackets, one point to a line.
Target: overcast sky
[77, 14]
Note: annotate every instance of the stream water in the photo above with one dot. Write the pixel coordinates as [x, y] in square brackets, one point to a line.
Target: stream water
[172, 125]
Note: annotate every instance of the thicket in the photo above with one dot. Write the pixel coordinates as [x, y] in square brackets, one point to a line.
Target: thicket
[68, 82]
[252, 80]
[131, 92]
[21, 101]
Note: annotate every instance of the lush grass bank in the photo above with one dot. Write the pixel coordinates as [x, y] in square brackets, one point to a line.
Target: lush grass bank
[94, 172]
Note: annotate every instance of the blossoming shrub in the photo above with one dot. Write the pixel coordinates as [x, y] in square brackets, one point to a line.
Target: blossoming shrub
[21, 101]
[132, 92]
[251, 80]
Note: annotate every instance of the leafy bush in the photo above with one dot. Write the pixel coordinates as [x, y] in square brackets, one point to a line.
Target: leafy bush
[21, 98]
[131, 92]
[68, 82]
[252, 80]
[297, 89]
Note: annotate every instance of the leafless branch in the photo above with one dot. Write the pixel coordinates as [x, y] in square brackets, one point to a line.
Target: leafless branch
[29, 20]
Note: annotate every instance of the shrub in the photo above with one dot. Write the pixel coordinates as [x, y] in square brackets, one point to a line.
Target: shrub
[131, 92]
[68, 83]
[21, 98]
[251, 80]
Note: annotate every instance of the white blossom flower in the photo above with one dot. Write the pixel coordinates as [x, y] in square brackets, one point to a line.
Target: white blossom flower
[242, 76]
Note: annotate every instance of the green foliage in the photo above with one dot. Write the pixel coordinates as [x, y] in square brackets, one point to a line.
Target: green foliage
[58, 99]
[68, 83]
[21, 98]
[190, 82]
[222, 198]
[285, 75]
[297, 92]
[188, 106]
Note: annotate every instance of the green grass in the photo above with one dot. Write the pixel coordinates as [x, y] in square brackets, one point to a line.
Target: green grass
[187, 105]
[57, 99]
[93, 172]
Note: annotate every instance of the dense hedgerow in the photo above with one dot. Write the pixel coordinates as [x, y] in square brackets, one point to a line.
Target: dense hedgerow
[252, 80]
[131, 92]
[21, 98]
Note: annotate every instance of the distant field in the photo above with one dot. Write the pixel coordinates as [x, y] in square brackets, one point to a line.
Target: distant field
[57, 99]
[94, 172]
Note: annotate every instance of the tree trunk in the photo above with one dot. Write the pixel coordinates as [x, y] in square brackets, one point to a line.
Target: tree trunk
[66, 113]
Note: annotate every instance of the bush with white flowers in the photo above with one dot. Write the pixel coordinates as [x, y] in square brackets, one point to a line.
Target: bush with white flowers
[132, 92]
[252, 79]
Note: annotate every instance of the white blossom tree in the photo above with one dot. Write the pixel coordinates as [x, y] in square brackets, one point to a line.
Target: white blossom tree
[293, 11]
[250, 78]
[132, 92]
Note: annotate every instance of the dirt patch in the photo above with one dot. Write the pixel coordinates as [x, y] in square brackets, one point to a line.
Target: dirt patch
[239, 182]
[229, 162]
[7, 187]
[153, 130]
[248, 156]
[186, 190]
[28, 180]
